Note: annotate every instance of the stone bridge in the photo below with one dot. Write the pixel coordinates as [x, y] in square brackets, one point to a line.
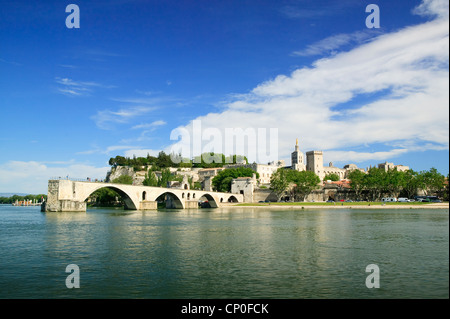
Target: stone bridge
[67, 195]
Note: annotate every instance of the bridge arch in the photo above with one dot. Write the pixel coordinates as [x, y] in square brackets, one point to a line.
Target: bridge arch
[211, 200]
[127, 198]
[170, 198]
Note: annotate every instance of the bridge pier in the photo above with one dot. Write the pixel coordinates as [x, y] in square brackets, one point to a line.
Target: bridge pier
[191, 204]
[65, 206]
[148, 205]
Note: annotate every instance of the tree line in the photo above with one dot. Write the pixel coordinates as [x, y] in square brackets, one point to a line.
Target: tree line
[14, 198]
[371, 185]
[163, 160]
[377, 183]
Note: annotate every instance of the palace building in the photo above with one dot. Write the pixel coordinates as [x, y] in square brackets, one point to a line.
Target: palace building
[314, 163]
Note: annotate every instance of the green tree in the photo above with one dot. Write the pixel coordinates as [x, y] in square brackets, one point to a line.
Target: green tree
[104, 197]
[165, 177]
[123, 179]
[164, 160]
[209, 160]
[394, 182]
[118, 161]
[411, 182]
[357, 181]
[375, 182]
[197, 185]
[150, 178]
[305, 183]
[446, 190]
[279, 182]
[111, 161]
[236, 159]
[331, 177]
[225, 185]
[433, 181]
[222, 181]
[15, 198]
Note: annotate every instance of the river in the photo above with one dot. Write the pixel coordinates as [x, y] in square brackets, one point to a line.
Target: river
[225, 253]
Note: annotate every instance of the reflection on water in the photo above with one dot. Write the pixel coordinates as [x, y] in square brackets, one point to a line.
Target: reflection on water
[224, 253]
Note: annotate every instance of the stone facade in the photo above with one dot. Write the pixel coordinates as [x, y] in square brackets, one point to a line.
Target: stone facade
[314, 163]
[118, 171]
[244, 186]
[262, 195]
[265, 171]
[207, 184]
[209, 172]
[387, 166]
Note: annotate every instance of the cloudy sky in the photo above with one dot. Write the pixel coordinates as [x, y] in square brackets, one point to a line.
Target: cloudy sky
[137, 72]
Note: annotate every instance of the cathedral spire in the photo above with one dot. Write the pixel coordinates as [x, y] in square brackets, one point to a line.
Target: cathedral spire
[296, 145]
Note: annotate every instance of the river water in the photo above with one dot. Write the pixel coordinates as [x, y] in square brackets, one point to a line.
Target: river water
[224, 253]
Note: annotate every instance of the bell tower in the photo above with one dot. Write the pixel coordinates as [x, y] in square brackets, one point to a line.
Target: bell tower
[297, 160]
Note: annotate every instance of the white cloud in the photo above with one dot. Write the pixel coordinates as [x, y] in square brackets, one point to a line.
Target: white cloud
[106, 118]
[78, 88]
[439, 8]
[70, 92]
[352, 156]
[330, 44]
[32, 177]
[108, 150]
[10, 62]
[397, 86]
[153, 125]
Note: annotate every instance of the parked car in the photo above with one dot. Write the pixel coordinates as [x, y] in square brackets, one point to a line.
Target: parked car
[389, 199]
[434, 199]
[403, 200]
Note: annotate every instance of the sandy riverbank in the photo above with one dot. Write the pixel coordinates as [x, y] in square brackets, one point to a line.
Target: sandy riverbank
[345, 206]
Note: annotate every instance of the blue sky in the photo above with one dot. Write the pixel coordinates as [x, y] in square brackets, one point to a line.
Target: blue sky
[136, 70]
